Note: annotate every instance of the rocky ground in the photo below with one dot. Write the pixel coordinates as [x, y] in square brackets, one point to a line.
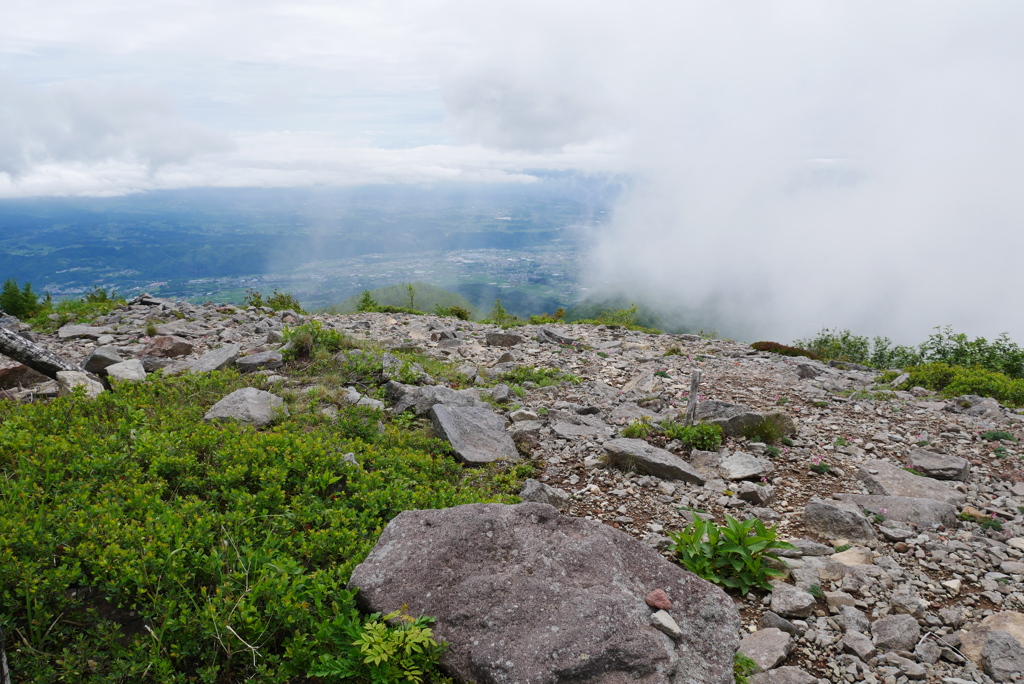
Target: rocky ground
[929, 588]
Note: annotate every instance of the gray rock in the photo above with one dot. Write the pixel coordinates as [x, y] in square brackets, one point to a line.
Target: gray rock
[884, 479]
[638, 455]
[522, 594]
[922, 512]
[215, 360]
[627, 412]
[67, 381]
[758, 494]
[770, 619]
[551, 337]
[940, 466]
[859, 645]
[539, 492]
[267, 360]
[784, 675]
[788, 601]
[422, 399]
[477, 434]
[127, 371]
[853, 620]
[89, 332]
[502, 339]
[742, 466]
[100, 358]
[1002, 656]
[905, 600]
[167, 346]
[396, 369]
[501, 393]
[837, 520]
[767, 647]
[249, 406]
[895, 632]
[736, 420]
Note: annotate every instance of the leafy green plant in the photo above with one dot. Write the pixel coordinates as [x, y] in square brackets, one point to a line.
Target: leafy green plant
[742, 667]
[638, 429]
[661, 374]
[773, 451]
[816, 591]
[984, 521]
[392, 649]
[732, 555]
[1000, 452]
[542, 377]
[842, 547]
[702, 436]
[841, 442]
[821, 468]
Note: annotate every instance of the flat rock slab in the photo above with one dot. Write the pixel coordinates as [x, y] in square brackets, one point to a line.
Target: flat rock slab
[638, 455]
[767, 647]
[167, 346]
[791, 602]
[477, 434]
[216, 360]
[884, 479]
[262, 360]
[940, 466]
[250, 406]
[784, 675]
[742, 466]
[895, 632]
[501, 339]
[921, 512]
[572, 431]
[89, 332]
[524, 594]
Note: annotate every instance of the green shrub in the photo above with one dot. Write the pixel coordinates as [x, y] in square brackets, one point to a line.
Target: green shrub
[732, 555]
[674, 350]
[279, 301]
[459, 312]
[302, 341]
[702, 436]
[952, 381]
[998, 436]
[777, 348]
[770, 429]
[21, 302]
[232, 545]
[638, 429]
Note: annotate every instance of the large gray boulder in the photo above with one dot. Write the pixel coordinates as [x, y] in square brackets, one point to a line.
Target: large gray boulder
[422, 399]
[67, 381]
[1002, 656]
[524, 594]
[250, 406]
[767, 647]
[88, 332]
[921, 512]
[477, 434]
[742, 466]
[502, 339]
[940, 466]
[837, 520]
[131, 370]
[636, 454]
[884, 479]
[261, 360]
[534, 490]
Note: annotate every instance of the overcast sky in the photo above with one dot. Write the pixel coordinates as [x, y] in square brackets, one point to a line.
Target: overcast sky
[796, 163]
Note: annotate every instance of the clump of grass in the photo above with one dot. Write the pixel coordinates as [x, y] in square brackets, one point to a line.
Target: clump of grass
[998, 436]
[542, 377]
[770, 429]
[674, 350]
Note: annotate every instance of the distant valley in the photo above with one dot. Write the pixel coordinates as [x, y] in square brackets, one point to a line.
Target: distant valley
[523, 243]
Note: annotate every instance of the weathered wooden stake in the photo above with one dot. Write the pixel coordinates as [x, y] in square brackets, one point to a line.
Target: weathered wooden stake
[691, 407]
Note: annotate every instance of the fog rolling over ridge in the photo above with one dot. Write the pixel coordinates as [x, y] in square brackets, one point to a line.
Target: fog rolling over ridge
[796, 165]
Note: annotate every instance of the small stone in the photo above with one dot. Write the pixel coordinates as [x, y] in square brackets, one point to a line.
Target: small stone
[664, 622]
[767, 647]
[788, 601]
[658, 599]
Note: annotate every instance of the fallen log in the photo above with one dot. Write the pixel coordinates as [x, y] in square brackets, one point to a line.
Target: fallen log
[32, 355]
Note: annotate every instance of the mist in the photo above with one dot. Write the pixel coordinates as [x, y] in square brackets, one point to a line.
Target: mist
[796, 165]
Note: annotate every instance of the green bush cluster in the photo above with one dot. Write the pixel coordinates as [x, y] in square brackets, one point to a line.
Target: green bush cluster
[702, 436]
[279, 301]
[785, 350]
[310, 338]
[231, 546]
[26, 304]
[731, 555]
[771, 429]
[460, 312]
[21, 302]
[953, 381]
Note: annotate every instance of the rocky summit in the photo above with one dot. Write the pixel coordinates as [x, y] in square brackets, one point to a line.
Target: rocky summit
[907, 521]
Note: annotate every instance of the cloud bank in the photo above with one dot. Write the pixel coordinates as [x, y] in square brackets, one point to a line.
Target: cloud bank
[797, 164]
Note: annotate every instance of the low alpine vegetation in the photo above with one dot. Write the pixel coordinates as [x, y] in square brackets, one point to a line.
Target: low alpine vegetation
[783, 349]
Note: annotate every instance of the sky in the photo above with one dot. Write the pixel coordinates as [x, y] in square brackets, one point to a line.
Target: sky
[793, 164]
